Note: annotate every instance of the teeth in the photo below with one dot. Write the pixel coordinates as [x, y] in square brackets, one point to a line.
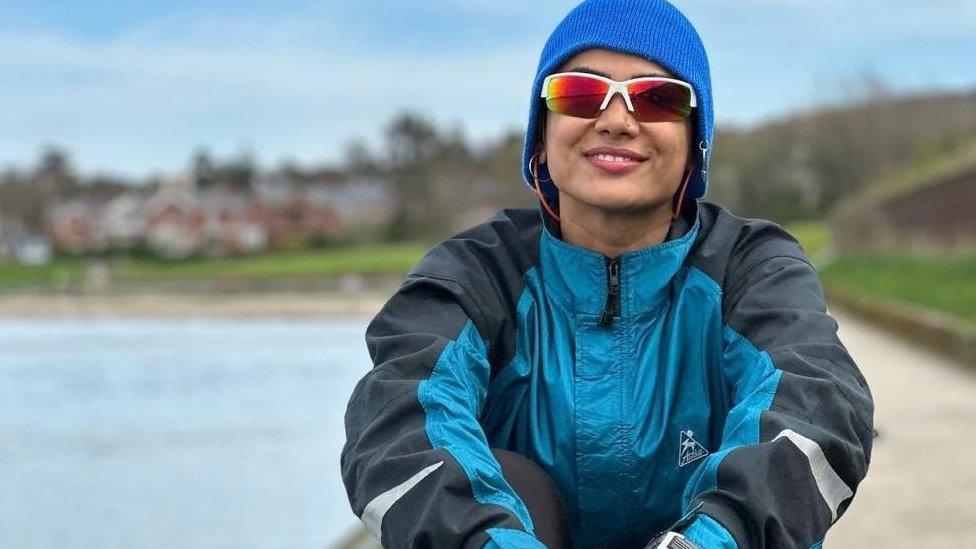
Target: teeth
[611, 158]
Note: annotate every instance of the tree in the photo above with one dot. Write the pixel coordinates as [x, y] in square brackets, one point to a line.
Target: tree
[412, 145]
[239, 173]
[204, 170]
[359, 160]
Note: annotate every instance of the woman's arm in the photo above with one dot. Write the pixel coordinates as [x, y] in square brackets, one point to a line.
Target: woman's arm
[797, 440]
[416, 464]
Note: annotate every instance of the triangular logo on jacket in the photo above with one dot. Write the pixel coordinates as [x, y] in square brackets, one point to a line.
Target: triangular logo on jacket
[689, 449]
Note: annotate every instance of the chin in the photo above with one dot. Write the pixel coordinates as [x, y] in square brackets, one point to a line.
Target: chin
[624, 204]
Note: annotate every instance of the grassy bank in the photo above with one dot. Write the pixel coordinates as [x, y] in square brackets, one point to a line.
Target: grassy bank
[943, 284]
[378, 259]
[814, 236]
[60, 272]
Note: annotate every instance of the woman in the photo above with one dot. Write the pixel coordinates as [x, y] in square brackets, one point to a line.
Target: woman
[624, 364]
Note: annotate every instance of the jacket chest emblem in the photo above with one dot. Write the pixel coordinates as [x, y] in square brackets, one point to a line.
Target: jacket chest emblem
[689, 449]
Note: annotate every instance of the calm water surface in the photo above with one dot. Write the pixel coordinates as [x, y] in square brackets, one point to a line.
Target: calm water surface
[199, 433]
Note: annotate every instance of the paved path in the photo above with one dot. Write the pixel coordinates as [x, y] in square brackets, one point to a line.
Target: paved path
[921, 488]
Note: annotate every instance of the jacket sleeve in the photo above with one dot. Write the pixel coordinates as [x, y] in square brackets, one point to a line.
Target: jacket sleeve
[416, 464]
[797, 439]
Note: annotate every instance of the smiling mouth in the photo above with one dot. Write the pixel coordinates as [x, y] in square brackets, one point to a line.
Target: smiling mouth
[613, 163]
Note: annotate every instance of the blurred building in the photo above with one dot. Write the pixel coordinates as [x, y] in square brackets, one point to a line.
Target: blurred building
[233, 224]
[4, 241]
[175, 222]
[124, 220]
[75, 226]
[177, 218]
[17, 245]
[33, 250]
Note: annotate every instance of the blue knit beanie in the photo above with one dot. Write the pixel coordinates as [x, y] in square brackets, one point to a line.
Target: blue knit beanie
[652, 29]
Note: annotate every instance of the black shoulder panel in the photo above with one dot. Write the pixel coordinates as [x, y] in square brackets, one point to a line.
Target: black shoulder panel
[489, 261]
[728, 245]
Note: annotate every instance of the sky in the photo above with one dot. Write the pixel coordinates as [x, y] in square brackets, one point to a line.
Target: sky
[133, 88]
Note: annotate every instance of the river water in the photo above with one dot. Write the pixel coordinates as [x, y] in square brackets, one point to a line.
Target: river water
[175, 433]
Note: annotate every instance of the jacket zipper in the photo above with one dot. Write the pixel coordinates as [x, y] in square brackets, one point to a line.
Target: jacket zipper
[612, 307]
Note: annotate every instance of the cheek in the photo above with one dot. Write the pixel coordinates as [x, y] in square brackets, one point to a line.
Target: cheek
[562, 135]
[678, 145]
[687, 139]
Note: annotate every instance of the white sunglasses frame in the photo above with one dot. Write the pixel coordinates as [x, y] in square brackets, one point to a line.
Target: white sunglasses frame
[619, 87]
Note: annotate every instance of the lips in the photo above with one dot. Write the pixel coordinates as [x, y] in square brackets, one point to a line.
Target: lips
[614, 160]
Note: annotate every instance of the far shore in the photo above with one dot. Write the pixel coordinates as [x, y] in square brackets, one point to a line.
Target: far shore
[176, 305]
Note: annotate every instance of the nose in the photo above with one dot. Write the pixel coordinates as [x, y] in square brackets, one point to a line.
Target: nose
[616, 119]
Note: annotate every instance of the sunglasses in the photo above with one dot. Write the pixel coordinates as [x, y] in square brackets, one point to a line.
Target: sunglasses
[650, 99]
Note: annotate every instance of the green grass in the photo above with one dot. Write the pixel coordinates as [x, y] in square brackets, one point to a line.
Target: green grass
[374, 259]
[943, 284]
[58, 272]
[813, 236]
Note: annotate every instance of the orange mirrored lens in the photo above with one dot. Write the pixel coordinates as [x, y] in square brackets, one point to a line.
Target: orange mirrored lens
[576, 95]
[656, 101]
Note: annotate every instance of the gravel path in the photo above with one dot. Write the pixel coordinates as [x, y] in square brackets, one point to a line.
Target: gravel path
[921, 488]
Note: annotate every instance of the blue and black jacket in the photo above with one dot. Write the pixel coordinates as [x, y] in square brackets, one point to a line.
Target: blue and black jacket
[699, 378]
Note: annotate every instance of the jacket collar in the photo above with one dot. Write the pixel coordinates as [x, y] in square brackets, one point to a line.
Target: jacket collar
[578, 278]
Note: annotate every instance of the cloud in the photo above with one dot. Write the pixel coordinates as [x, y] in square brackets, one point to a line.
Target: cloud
[299, 83]
[147, 97]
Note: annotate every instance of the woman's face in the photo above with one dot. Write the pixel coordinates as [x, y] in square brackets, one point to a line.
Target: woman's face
[569, 141]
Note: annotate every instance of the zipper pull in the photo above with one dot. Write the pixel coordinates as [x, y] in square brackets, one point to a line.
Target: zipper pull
[703, 145]
[612, 307]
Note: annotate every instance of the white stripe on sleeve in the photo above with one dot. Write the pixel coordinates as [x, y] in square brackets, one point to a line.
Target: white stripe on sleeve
[375, 510]
[832, 487]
